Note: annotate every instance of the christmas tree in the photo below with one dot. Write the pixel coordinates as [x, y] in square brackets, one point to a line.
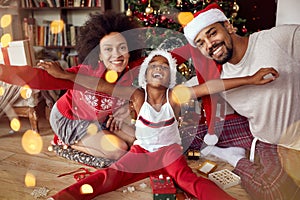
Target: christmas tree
[165, 20]
[167, 13]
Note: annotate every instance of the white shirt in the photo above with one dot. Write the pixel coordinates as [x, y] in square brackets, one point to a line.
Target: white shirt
[273, 110]
[156, 129]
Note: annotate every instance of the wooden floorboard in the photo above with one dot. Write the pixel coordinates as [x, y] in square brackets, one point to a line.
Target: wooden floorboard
[15, 163]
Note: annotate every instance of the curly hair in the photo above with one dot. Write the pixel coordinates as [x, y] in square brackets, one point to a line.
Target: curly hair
[100, 25]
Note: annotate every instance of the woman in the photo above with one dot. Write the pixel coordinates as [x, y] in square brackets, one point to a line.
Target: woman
[82, 116]
[157, 148]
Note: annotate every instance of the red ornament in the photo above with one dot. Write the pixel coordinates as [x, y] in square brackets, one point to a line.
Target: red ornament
[244, 29]
[144, 1]
[163, 18]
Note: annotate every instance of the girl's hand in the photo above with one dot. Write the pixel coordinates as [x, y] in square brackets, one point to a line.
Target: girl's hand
[116, 120]
[53, 68]
[263, 76]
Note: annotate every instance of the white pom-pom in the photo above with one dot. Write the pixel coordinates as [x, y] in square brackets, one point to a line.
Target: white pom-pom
[210, 139]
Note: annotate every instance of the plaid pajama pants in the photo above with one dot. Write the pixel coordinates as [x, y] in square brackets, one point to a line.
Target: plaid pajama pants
[265, 179]
[232, 132]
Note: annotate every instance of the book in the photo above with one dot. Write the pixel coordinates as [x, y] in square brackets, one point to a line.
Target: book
[20, 53]
[4, 55]
[73, 35]
[77, 3]
[29, 28]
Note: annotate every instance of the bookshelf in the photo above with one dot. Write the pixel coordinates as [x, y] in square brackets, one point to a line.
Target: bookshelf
[10, 20]
[53, 24]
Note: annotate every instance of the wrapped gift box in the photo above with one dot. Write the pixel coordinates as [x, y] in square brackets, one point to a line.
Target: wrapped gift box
[163, 187]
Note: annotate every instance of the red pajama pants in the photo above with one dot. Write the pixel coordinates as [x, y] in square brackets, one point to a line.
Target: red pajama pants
[138, 164]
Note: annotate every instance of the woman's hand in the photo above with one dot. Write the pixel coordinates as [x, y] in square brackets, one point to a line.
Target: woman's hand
[116, 120]
[53, 68]
[263, 76]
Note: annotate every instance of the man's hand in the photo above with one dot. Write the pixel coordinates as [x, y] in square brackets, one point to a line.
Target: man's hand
[263, 76]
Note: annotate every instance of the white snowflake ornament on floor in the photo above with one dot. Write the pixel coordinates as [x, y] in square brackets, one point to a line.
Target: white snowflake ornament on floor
[39, 192]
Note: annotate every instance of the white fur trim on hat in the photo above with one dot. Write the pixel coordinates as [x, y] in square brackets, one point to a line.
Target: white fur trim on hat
[172, 63]
[203, 20]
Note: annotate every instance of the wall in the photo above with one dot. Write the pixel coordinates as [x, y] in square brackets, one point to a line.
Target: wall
[288, 12]
[259, 14]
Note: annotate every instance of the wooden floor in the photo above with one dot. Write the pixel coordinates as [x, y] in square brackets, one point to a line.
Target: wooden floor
[23, 174]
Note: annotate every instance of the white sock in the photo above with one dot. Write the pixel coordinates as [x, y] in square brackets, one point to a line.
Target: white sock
[231, 154]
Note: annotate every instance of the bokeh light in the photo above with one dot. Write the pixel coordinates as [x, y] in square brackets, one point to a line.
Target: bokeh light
[111, 76]
[32, 142]
[290, 157]
[290, 161]
[50, 148]
[30, 180]
[6, 39]
[26, 92]
[56, 26]
[6, 20]
[92, 129]
[185, 17]
[110, 142]
[86, 189]
[181, 94]
[15, 124]
[2, 91]
[291, 135]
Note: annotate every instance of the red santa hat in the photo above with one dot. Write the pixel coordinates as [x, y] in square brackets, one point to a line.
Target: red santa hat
[203, 18]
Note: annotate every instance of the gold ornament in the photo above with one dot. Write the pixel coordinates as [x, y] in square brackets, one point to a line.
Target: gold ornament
[128, 12]
[233, 15]
[179, 3]
[149, 9]
[235, 7]
[184, 70]
[194, 1]
[183, 67]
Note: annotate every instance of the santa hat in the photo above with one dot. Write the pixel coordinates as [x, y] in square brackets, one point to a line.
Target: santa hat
[203, 18]
[171, 61]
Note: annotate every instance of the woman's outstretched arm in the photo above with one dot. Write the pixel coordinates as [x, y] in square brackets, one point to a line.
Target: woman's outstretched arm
[90, 82]
[34, 77]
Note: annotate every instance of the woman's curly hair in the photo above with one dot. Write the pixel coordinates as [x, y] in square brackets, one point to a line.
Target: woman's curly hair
[100, 25]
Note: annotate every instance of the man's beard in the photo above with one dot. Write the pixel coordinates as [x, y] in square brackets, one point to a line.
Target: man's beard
[226, 57]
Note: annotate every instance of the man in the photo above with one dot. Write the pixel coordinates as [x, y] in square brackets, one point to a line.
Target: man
[272, 110]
